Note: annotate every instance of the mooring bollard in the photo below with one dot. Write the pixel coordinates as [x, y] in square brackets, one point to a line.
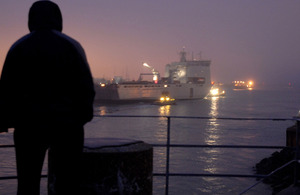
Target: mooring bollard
[115, 166]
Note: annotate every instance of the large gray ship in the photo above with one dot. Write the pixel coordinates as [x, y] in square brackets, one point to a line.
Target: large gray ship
[186, 79]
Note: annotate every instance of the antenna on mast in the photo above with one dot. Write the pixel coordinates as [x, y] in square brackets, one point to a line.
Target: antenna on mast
[183, 55]
[200, 55]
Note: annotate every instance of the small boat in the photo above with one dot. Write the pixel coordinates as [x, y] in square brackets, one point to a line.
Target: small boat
[165, 100]
[215, 92]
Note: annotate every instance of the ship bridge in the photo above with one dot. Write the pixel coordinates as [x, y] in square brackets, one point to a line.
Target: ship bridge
[188, 71]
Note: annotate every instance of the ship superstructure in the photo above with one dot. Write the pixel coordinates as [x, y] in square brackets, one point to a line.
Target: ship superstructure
[186, 79]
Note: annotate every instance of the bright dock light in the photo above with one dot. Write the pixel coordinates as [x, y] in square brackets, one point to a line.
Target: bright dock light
[146, 65]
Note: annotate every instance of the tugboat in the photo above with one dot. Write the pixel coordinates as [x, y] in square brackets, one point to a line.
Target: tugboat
[216, 92]
[165, 99]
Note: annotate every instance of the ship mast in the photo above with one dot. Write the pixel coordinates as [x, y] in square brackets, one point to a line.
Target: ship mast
[182, 56]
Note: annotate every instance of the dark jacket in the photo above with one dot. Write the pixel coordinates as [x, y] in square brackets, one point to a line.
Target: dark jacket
[46, 74]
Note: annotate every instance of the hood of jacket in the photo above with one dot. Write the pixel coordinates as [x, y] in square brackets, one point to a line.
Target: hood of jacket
[44, 15]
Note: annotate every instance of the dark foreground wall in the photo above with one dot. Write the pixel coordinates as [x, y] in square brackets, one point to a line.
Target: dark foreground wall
[114, 166]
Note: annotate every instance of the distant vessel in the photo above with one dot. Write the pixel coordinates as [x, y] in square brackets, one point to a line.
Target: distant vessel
[186, 79]
[242, 85]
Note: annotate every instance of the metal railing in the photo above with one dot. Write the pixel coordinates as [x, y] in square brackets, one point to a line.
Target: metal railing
[168, 145]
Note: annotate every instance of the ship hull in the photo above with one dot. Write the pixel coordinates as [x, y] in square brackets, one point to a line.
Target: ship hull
[144, 92]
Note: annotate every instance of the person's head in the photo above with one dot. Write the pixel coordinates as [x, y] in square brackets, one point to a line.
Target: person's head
[44, 15]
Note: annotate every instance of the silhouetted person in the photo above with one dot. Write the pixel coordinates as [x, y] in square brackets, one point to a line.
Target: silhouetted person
[3, 120]
[50, 92]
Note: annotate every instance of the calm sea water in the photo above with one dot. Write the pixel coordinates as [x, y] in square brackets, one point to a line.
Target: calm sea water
[280, 103]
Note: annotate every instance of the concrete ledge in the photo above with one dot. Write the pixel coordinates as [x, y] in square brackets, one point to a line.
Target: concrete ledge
[115, 166]
[112, 145]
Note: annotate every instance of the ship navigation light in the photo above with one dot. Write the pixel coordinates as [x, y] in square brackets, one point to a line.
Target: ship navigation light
[214, 91]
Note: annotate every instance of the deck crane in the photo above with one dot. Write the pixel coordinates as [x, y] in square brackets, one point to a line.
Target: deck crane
[155, 73]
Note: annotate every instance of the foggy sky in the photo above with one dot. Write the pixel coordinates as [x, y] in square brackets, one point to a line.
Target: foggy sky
[244, 39]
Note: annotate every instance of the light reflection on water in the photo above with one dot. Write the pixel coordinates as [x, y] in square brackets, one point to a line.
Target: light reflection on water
[212, 135]
[193, 131]
[164, 110]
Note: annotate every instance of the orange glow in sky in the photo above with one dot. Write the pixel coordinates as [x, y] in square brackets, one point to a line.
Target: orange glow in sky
[257, 39]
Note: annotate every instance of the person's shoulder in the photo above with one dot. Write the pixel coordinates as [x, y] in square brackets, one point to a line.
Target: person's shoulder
[67, 38]
[75, 44]
[21, 41]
